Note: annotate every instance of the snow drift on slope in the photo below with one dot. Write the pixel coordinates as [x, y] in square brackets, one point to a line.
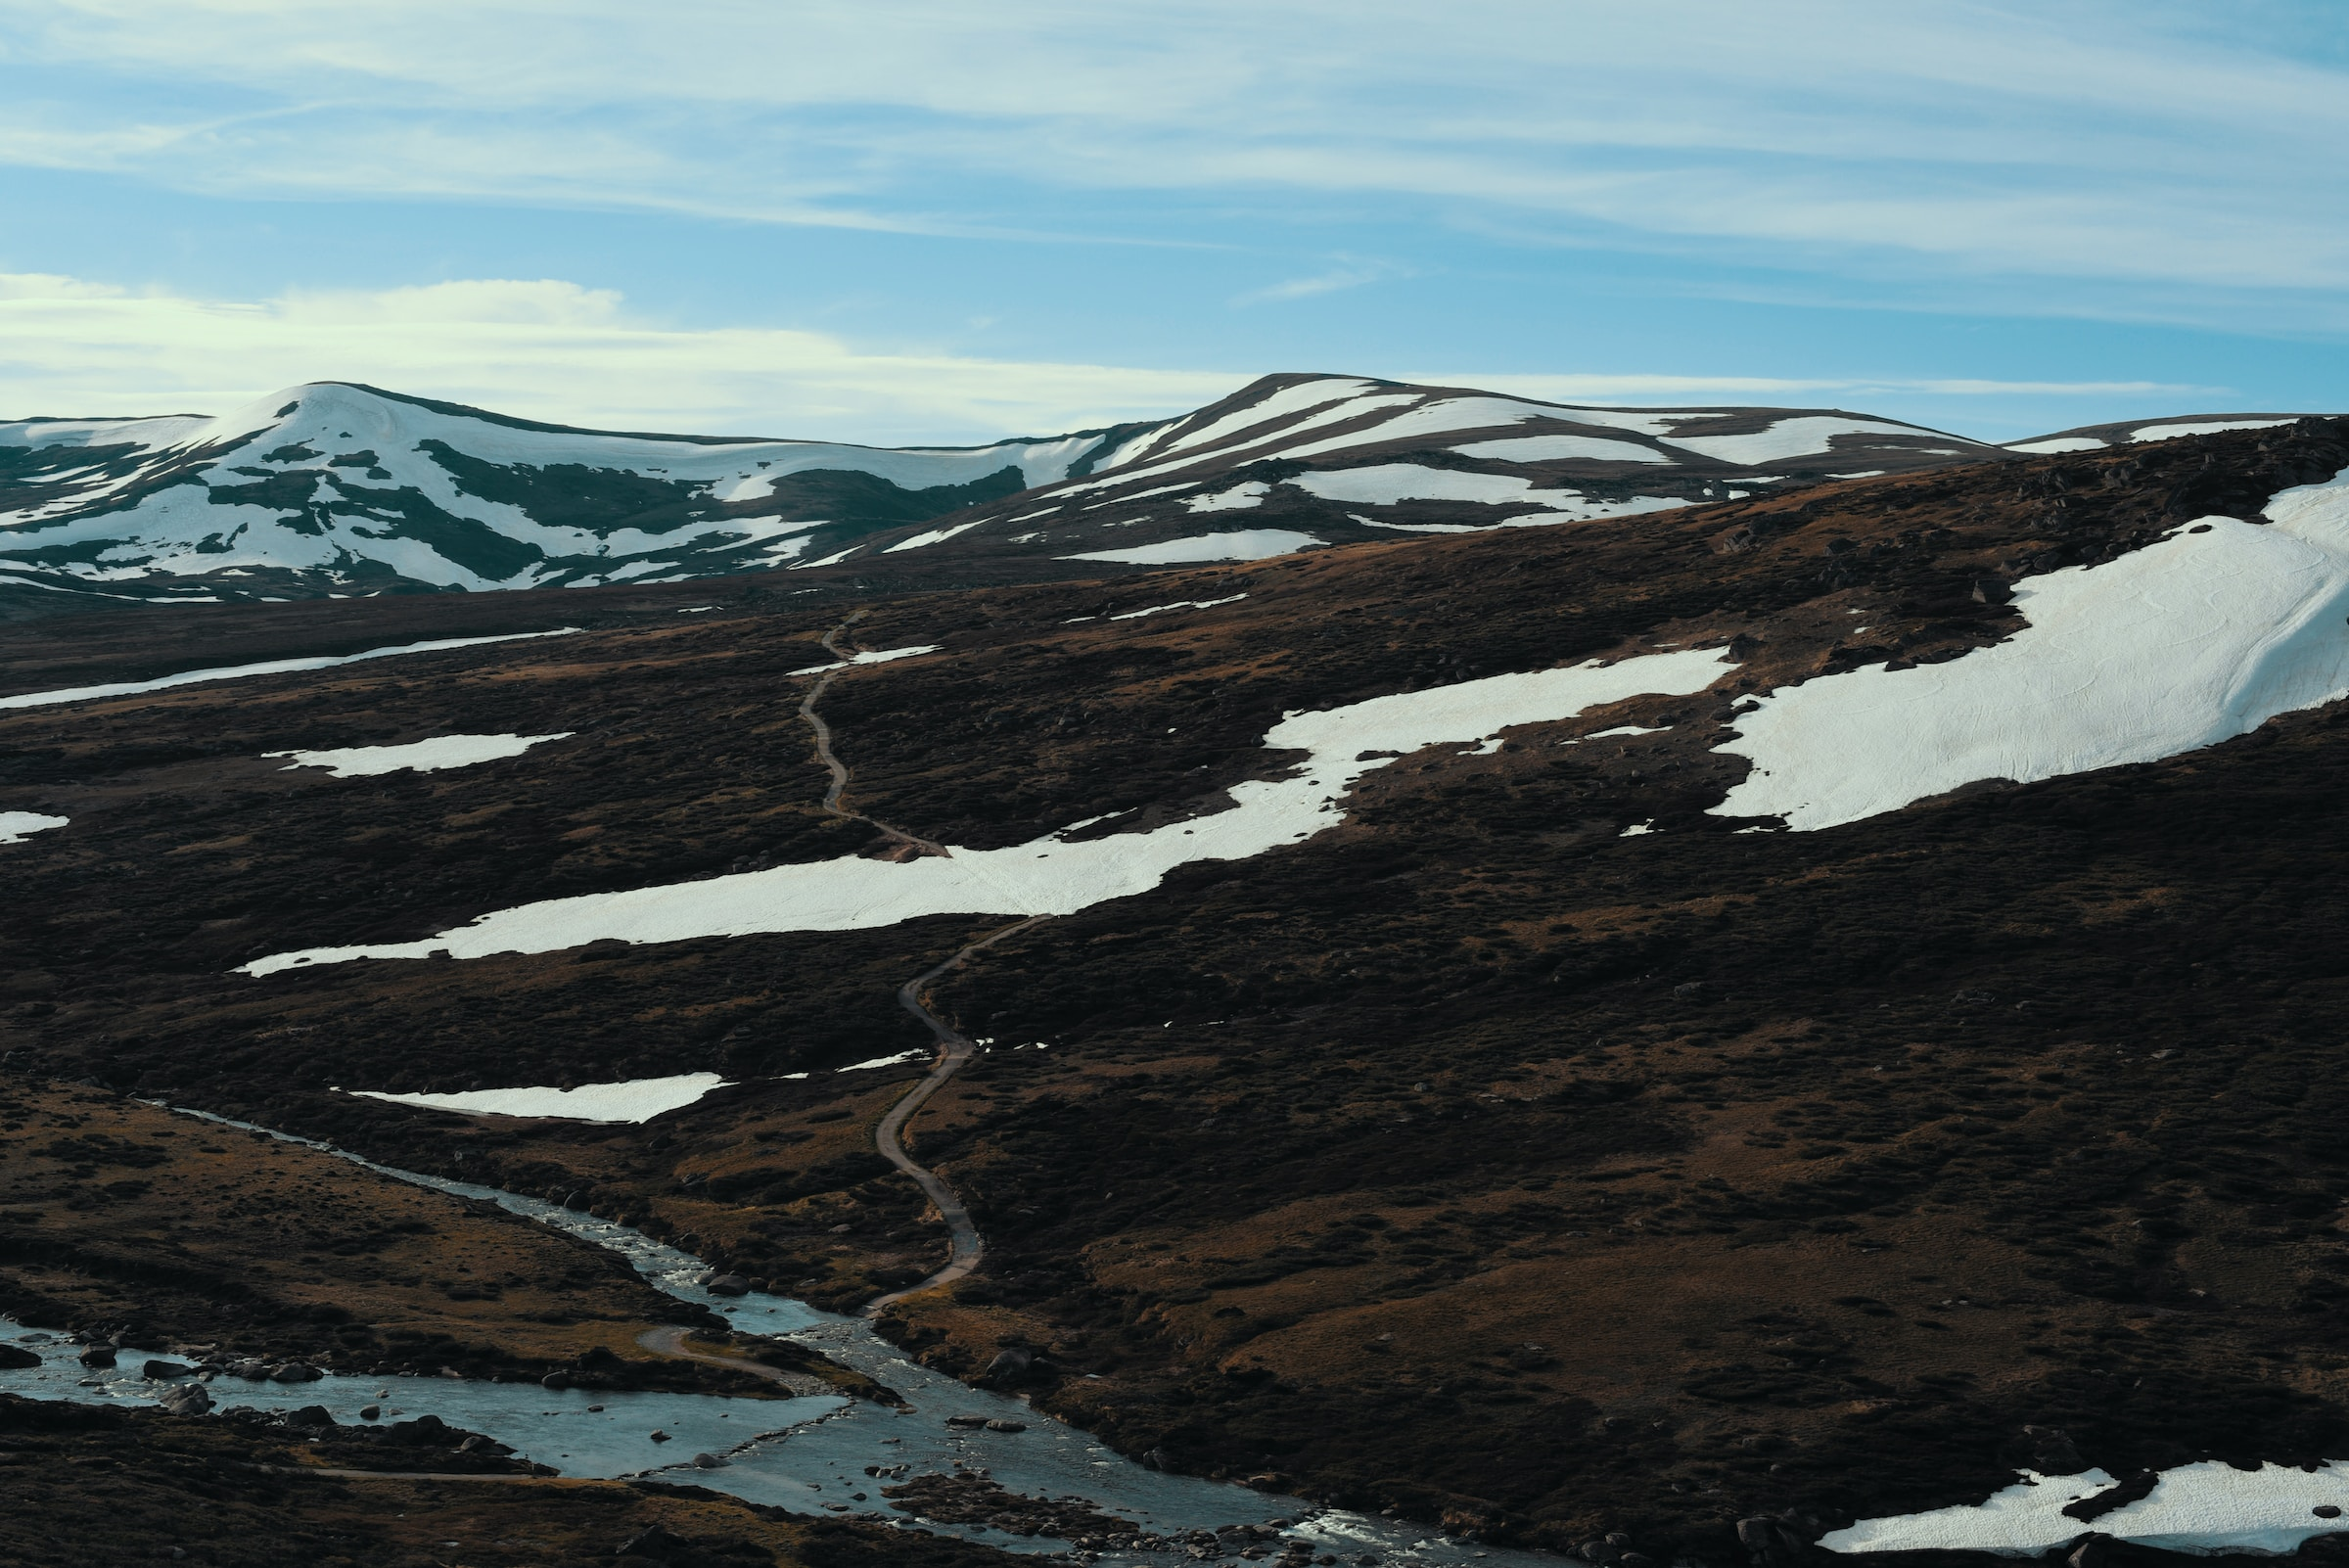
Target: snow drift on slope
[2196, 638]
[2204, 1508]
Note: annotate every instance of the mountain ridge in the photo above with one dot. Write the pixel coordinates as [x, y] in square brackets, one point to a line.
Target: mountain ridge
[341, 489]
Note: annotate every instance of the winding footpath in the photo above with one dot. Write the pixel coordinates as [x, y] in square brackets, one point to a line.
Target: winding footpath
[840, 769]
[964, 1245]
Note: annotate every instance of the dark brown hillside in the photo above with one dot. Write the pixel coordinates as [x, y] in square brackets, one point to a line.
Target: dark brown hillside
[1471, 1158]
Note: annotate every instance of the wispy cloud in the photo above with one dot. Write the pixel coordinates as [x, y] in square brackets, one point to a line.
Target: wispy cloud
[1346, 275]
[1967, 137]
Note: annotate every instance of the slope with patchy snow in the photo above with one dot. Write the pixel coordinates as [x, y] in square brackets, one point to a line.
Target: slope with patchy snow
[346, 490]
[1309, 450]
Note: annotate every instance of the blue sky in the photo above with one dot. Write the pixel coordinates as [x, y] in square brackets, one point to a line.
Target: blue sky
[900, 221]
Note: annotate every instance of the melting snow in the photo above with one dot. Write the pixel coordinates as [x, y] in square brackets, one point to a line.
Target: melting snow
[14, 826]
[1245, 545]
[2194, 639]
[1179, 604]
[637, 1100]
[878, 656]
[1235, 499]
[274, 666]
[2205, 1508]
[1552, 448]
[1049, 875]
[424, 755]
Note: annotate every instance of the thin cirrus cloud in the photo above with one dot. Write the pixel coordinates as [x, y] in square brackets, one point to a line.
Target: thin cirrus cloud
[2083, 140]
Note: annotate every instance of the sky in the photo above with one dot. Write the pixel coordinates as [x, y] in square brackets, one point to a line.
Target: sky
[906, 221]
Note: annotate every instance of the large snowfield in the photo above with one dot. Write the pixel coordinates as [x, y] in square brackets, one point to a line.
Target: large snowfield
[2203, 1508]
[2197, 638]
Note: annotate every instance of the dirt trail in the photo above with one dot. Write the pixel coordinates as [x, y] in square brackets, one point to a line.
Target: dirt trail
[840, 769]
[964, 1245]
[671, 1341]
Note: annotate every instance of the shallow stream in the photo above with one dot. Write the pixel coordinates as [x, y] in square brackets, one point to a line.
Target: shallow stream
[806, 1455]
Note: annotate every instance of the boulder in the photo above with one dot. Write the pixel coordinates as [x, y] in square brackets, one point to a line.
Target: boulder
[15, 1358]
[1001, 1425]
[295, 1372]
[310, 1415]
[97, 1357]
[555, 1380]
[166, 1372]
[708, 1462]
[370, 1413]
[651, 1542]
[729, 1285]
[186, 1399]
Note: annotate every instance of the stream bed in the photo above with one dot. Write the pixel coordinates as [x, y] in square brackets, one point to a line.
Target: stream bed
[806, 1454]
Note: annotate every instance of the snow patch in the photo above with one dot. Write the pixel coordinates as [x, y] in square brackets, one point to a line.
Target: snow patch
[636, 1100]
[274, 666]
[2196, 638]
[424, 755]
[1553, 449]
[883, 1061]
[2209, 427]
[1245, 545]
[1790, 438]
[15, 825]
[1179, 604]
[878, 656]
[2060, 443]
[934, 536]
[1235, 499]
[2204, 1508]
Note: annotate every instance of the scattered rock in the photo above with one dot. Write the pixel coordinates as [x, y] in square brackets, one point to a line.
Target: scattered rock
[660, 1436]
[14, 1358]
[1011, 1363]
[369, 1413]
[966, 1420]
[295, 1372]
[166, 1372]
[97, 1357]
[709, 1462]
[1001, 1425]
[555, 1380]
